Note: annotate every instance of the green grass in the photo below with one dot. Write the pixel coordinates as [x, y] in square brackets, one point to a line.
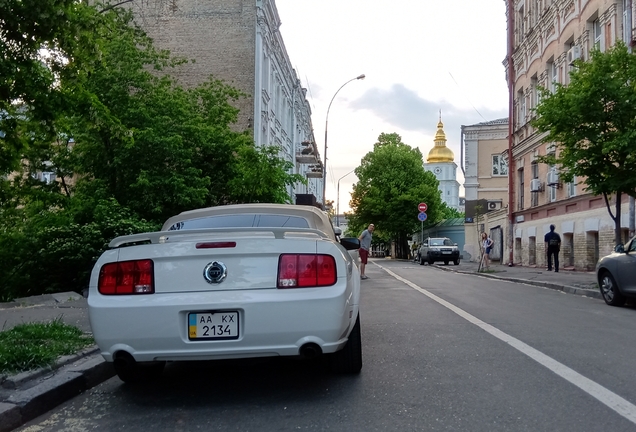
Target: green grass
[33, 345]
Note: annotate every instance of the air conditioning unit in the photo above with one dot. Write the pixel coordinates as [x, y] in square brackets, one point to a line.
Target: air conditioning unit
[494, 205]
[574, 53]
[535, 185]
[553, 178]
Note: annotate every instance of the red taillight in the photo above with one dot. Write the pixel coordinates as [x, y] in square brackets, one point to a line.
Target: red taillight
[127, 277]
[305, 271]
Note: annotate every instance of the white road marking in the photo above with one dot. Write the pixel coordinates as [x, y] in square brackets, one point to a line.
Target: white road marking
[597, 391]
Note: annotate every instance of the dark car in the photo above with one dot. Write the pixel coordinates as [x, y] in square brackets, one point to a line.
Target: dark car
[616, 274]
[439, 249]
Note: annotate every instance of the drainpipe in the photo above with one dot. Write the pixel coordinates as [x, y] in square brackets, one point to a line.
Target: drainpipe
[511, 161]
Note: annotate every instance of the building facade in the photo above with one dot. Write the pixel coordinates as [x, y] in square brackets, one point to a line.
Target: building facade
[239, 42]
[485, 167]
[441, 162]
[545, 38]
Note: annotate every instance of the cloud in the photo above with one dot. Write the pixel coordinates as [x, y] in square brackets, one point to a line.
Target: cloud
[407, 110]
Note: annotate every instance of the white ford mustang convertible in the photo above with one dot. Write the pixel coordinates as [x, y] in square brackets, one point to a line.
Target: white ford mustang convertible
[228, 282]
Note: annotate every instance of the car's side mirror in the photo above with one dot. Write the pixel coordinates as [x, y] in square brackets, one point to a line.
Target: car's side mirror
[350, 243]
[619, 248]
[337, 231]
[454, 244]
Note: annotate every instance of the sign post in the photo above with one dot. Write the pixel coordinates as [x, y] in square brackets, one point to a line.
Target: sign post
[422, 207]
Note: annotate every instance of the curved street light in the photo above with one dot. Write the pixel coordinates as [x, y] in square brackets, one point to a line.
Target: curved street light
[338, 198]
[324, 166]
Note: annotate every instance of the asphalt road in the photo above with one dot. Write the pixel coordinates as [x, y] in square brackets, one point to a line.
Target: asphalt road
[442, 352]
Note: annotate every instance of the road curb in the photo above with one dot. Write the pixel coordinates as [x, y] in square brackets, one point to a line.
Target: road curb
[37, 396]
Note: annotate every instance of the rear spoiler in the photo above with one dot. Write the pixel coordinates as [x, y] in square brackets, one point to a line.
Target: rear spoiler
[159, 237]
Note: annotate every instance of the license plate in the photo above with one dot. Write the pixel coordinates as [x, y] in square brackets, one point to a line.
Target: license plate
[446, 252]
[213, 325]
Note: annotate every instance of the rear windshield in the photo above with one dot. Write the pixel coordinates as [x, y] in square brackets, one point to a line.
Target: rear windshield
[242, 221]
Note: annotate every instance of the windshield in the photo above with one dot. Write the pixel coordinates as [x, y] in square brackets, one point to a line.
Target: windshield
[242, 221]
[441, 242]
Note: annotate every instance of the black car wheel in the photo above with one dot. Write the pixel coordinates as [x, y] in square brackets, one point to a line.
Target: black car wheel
[456, 262]
[610, 291]
[349, 359]
[431, 260]
[422, 261]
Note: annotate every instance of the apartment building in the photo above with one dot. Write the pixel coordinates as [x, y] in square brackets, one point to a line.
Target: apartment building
[545, 37]
[239, 42]
[485, 166]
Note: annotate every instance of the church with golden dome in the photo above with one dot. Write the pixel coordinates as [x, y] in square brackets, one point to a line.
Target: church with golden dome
[441, 162]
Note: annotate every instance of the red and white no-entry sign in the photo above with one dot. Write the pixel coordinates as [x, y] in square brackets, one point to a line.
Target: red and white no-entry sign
[422, 207]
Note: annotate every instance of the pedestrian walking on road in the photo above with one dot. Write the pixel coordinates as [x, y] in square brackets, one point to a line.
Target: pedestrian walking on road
[552, 247]
[486, 243]
[365, 247]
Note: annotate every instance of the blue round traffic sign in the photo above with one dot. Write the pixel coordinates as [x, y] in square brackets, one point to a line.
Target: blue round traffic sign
[422, 216]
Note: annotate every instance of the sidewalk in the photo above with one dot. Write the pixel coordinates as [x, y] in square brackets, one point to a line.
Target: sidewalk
[572, 282]
[30, 394]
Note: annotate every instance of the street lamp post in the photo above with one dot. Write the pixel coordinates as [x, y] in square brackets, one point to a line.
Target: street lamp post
[324, 166]
[338, 198]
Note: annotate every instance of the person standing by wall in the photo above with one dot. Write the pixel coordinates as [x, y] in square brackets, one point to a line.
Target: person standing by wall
[487, 244]
[365, 247]
[553, 246]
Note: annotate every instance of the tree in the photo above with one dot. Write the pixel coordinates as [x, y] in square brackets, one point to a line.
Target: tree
[128, 144]
[592, 122]
[39, 41]
[391, 183]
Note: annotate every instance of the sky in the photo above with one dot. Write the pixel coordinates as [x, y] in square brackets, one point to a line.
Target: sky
[419, 57]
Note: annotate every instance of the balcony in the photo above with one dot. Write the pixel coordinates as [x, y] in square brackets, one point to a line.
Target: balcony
[307, 153]
[314, 171]
[306, 156]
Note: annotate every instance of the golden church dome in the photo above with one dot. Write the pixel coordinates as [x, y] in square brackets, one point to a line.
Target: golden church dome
[440, 153]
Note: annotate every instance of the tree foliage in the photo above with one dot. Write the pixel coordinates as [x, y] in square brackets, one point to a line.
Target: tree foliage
[129, 146]
[391, 183]
[592, 122]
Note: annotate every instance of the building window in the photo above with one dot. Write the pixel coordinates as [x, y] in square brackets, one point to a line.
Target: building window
[596, 25]
[522, 26]
[521, 189]
[571, 188]
[522, 113]
[499, 166]
[551, 189]
[534, 197]
[554, 76]
[534, 94]
[627, 22]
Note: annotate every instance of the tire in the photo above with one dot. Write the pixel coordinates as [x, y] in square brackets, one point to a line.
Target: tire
[609, 290]
[422, 261]
[431, 261]
[131, 373]
[349, 359]
[456, 262]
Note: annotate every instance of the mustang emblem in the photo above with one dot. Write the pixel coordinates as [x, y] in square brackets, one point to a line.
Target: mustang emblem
[215, 272]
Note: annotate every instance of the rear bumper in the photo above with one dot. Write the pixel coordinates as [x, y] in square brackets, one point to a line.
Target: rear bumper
[271, 323]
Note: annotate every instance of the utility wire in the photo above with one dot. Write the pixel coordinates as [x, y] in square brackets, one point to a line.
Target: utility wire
[464, 94]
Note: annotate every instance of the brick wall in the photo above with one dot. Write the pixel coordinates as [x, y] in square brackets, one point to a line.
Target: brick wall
[219, 35]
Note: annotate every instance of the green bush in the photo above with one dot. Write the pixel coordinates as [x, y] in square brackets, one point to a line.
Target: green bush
[54, 251]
